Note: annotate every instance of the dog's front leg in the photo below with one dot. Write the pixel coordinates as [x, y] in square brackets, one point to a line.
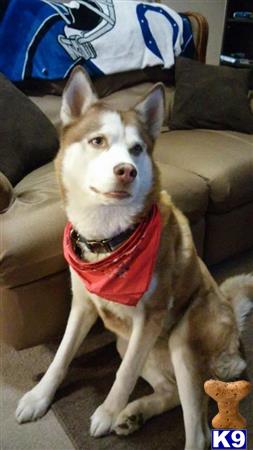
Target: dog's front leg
[82, 316]
[143, 337]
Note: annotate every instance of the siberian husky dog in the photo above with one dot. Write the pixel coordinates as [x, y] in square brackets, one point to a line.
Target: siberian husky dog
[175, 327]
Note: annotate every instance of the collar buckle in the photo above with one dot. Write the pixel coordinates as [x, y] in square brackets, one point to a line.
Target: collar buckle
[102, 246]
[99, 246]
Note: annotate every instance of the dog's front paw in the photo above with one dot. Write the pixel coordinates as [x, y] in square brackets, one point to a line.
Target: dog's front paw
[101, 422]
[32, 406]
[128, 423]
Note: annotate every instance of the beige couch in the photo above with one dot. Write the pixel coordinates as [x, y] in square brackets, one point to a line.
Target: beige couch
[208, 173]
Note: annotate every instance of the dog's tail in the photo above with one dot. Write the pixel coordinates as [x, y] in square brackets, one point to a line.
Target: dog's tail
[239, 290]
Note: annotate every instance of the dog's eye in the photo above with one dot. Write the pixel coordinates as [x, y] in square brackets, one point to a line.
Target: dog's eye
[98, 141]
[136, 149]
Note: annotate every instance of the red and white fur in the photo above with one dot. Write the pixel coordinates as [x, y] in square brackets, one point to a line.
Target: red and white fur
[97, 139]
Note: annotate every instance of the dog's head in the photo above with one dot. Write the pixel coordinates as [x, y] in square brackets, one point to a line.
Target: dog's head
[106, 155]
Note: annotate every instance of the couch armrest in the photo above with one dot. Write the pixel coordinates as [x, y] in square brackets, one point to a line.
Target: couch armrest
[200, 33]
[7, 195]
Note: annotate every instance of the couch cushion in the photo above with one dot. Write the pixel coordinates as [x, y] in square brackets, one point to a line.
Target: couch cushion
[32, 229]
[28, 139]
[127, 98]
[188, 191]
[36, 312]
[50, 105]
[124, 99]
[223, 159]
[190, 194]
[214, 97]
[228, 234]
[104, 85]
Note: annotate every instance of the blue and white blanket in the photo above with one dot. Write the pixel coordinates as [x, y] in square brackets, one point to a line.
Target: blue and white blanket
[45, 39]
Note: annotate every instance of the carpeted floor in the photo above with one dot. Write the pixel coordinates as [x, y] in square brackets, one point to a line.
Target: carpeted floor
[87, 384]
[15, 380]
[91, 377]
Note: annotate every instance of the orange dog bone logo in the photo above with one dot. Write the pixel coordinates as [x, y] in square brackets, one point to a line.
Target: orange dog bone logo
[228, 396]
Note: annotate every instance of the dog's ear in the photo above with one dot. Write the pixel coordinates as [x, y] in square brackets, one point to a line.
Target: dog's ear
[77, 96]
[151, 109]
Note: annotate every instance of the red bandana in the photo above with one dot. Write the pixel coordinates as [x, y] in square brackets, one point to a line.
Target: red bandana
[124, 276]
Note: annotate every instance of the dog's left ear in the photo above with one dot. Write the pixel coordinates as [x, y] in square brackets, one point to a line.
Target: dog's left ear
[77, 96]
[152, 108]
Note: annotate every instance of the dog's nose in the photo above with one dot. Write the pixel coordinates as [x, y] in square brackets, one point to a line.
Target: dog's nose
[125, 173]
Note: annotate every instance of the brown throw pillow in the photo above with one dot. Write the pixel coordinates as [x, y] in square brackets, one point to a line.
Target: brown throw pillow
[214, 97]
[28, 139]
[104, 85]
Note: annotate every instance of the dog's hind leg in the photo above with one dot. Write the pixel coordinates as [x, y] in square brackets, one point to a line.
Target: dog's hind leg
[158, 372]
[190, 388]
[82, 316]
[138, 412]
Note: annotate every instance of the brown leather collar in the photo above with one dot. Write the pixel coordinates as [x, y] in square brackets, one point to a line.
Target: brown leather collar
[103, 246]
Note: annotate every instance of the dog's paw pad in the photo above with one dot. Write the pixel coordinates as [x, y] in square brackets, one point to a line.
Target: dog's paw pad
[127, 424]
[31, 407]
[101, 422]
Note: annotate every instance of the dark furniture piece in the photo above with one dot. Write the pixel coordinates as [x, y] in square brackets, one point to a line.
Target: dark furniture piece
[237, 43]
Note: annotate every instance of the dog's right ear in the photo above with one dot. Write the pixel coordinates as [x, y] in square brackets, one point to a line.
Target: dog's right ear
[77, 96]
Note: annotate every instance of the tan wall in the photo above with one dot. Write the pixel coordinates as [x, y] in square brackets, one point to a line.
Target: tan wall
[214, 11]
